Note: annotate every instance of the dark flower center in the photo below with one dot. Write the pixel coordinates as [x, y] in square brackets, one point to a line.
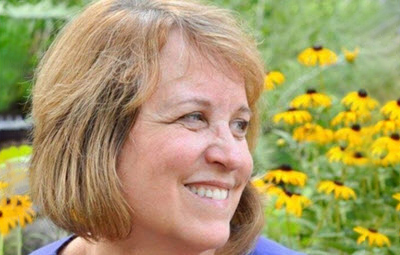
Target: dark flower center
[395, 137]
[356, 127]
[358, 155]
[311, 91]
[317, 47]
[19, 202]
[289, 194]
[398, 102]
[373, 230]
[8, 201]
[338, 183]
[1, 214]
[286, 167]
[342, 148]
[291, 109]
[362, 93]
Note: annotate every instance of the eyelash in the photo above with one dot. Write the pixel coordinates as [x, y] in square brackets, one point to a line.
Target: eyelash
[200, 117]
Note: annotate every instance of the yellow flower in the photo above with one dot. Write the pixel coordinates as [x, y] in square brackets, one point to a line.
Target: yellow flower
[355, 159]
[7, 220]
[336, 154]
[259, 184]
[293, 116]
[22, 207]
[350, 117]
[317, 55]
[392, 109]
[272, 79]
[386, 144]
[397, 197]
[294, 202]
[350, 55]
[274, 190]
[387, 149]
[359, 101]
[286, 174]
[387, 126]
[311, 99]
[310, 132]
[373, 236]
[340, 190]
[351, 135]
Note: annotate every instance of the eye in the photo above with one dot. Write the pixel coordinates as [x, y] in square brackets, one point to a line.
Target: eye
[194, 120]
[240, 126]
[194, 116]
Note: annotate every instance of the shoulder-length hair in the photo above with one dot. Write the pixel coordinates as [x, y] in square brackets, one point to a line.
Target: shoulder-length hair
[89, 87]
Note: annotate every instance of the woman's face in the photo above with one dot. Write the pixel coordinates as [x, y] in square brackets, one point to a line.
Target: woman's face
[188, 141]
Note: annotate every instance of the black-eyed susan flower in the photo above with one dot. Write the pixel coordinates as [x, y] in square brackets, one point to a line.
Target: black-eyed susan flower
[311, 99]
[359, 101]
[22, 207]
[336, 154]
[352, 135]
[311, 132]
[386, 144]
[294, 202]
[387, 150]
[373, 236]
[355, 158]
[293, 116]
[259, 184]
[350, 117]
[286, 174]
[8, 220]
[387, 159]
[317, 55]
[392, 109]
[397, 197]
[272, 79]
[387, 126]
[338, 188]
[350, 56]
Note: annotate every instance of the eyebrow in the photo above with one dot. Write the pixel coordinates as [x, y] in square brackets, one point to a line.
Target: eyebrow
[207, 103]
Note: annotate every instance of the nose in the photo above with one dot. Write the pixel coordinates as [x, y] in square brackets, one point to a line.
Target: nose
[227, 151]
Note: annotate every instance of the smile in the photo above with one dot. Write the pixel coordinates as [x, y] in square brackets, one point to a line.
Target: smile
[207, 192]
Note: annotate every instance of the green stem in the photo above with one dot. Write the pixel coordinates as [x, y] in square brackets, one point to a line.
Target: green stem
[1, 244]
[376, 177]
[288, 229]
[19, 240]
[337, 212]
[343, 175]
[320, 222]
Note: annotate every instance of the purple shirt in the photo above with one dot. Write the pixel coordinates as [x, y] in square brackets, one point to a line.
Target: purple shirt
[264, 246]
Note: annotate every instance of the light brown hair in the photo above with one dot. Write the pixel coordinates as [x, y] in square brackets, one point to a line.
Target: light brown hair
[89, 87]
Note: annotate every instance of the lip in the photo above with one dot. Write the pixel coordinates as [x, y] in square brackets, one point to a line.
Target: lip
[215, 183]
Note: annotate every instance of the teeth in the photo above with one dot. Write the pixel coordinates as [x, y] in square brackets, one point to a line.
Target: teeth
[217, 194]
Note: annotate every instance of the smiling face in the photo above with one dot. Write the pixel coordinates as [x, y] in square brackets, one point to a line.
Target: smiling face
[186, 160]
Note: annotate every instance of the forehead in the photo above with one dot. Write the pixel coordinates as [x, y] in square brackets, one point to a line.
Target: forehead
[182, 64]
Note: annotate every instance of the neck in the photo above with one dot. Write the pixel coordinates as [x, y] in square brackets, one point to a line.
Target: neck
[144, 244]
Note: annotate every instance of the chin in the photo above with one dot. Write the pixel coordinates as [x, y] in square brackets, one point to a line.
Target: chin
[212, 238]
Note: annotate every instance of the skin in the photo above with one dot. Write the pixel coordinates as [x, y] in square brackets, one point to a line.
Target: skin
[192, 128]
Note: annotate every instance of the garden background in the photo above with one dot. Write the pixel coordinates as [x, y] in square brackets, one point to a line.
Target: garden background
[316, 223]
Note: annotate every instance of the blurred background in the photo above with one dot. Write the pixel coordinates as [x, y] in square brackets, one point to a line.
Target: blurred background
[283, 28]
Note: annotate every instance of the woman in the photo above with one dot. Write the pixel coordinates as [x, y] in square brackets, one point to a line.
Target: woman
[144, 113]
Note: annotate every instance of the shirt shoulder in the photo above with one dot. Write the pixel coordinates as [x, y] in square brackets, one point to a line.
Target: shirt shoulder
[265, 246]
[54, 247]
